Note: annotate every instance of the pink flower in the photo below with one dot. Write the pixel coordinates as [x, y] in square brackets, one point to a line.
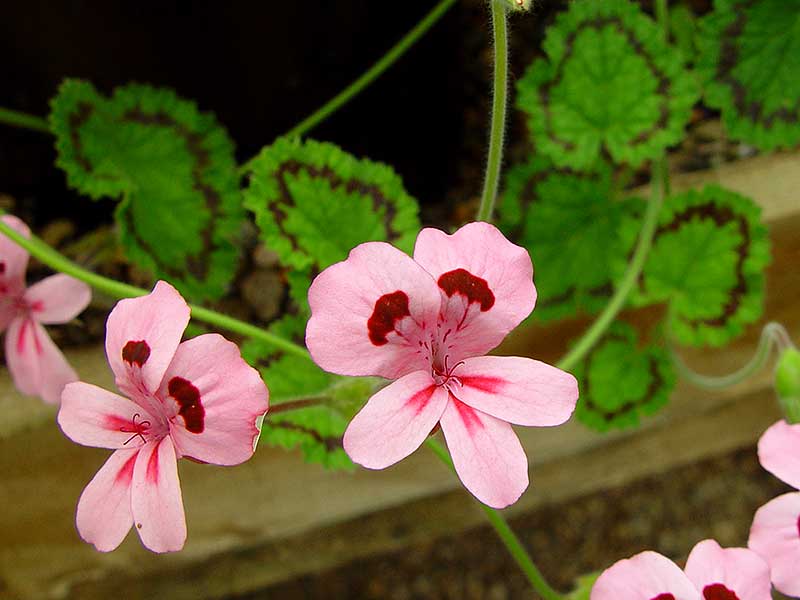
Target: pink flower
[712, 573]
[197, 399]
[37, 366]
[426, 323]
[775, 533]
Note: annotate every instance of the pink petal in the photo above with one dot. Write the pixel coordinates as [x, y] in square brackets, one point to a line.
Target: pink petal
[216, 398]
[156, 498]
[646, 576]
[142, 335]
[37, 366]
[13, 258]
[92, 416]
[395, 421]
[486, 281]
[486, 453]
[370, 313]
[518, 390]
[104, 514]
[736, 570]
[58, 298]
[775, 536]
[779, 452]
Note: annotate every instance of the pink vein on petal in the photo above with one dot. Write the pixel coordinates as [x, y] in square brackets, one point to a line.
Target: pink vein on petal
[152, 468]
[468, 416]
[490, 385]
[420, 399]
[126, 472]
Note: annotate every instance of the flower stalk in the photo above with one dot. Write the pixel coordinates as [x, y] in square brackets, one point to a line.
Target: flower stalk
[499, 102]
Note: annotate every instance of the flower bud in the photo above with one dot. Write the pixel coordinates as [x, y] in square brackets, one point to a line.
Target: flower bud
[787, 384]
[519, 4]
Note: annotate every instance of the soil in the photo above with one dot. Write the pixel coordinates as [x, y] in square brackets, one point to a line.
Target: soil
[668, 513]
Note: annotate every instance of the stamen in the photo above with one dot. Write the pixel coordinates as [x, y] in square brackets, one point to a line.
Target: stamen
[138, 431]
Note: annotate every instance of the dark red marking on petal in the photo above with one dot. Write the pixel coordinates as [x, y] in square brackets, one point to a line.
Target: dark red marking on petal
[473, 288]
[21, 337]
[188, 398]
[125, 474]
[151, 474]
[2, 268]
[490, 385]
[663, 597]
[136, 352]
[420, 399]
[717, 591]
[389, 309]
[468, 416]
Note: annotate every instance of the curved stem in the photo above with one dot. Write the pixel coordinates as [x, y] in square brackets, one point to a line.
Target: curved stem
[617, 301]
[57, 261]
[507, 536]
[375, 71]
[773, 335]
[24, 120]
[498, 126]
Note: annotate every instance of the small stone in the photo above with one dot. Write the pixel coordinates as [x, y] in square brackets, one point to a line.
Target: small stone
[264, 257]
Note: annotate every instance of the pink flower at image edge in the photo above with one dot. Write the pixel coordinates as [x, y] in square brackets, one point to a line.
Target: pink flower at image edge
[37, 366]
[197, 399]
[712, 573]
[775, 532]
[426, 323]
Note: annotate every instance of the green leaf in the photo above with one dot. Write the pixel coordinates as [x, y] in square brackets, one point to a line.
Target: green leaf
[569, 223]
[609, 85]
[620, 382]
[173, 169]
[707, 263]
[315, 428]
[683, 28]
[314, 202]
[750, 60]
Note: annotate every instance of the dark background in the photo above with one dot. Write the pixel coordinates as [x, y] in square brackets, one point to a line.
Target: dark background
[261, 67]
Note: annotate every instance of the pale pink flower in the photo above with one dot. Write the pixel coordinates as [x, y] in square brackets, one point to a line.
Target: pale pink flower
[197, 399]
[775, 533]
[712, 573]
[426, 322]
[37, 366]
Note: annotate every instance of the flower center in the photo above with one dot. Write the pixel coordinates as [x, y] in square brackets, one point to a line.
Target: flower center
[443, 375]
[137, 429]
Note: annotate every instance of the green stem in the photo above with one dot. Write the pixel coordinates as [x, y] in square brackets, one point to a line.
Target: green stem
[507, 536]
[53, 259]
[24, 120]
[375, 71]
[662, 16]
[617, 301]
[498, 126]
[772, 335]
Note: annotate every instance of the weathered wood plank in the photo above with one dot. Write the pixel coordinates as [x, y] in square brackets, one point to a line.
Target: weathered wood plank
[276, 517]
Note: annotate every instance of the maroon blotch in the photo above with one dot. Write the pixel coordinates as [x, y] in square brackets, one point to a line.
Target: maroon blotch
[188, 398]
[717, 591]
[136, 352]
[473, 288]
[663, 597]
[389, 309]
[2, 268]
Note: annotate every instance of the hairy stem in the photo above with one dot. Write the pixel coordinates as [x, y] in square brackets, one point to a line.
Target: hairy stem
[499, 101]
[507, 536]
[23, 120]
[375, 71]
[773, 335]
[53, 259]
[617, 301]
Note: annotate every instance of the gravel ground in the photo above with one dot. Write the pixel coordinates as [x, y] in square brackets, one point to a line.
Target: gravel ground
[668, 513]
